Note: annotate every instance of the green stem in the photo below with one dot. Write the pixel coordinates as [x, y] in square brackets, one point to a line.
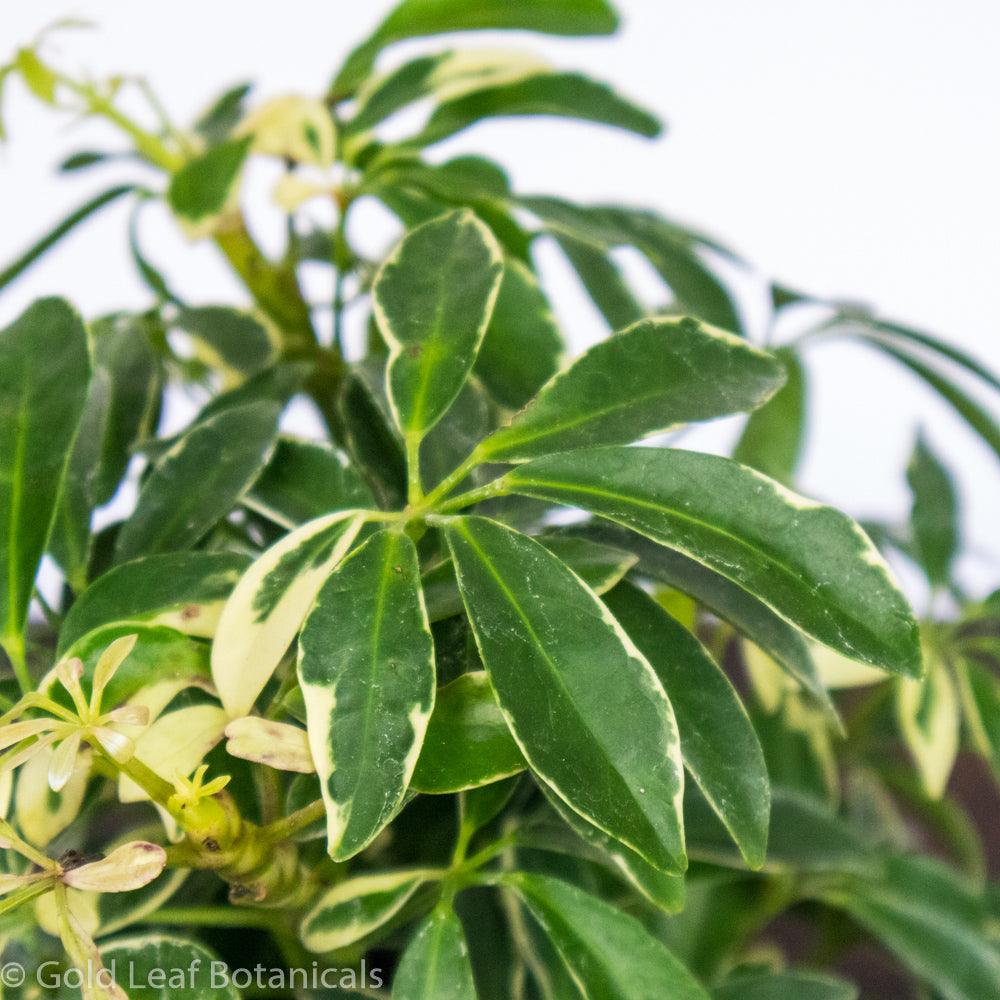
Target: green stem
[148, 780]
[275, 288]
[453, 478]
[151, 148]
[213, 916]
[467, 499]
[489, 852]
[13, 645]
[287, 827]
[21, 896]
[414, 488]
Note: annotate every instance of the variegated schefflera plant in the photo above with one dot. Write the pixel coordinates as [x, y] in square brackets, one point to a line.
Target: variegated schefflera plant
[474, 691]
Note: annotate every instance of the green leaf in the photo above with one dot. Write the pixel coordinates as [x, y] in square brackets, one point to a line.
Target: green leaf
[61, 229]
[377, 447]
[263, 614]
[87, 158]
[805, 836]
[933, 923]
[467, 743]
[366, 667]
[599, 566]
[719, 746]
[160, 653]
[228, 339]
[648, 378]
[369, 434]
[199, 480]
[674, 251]
[980, 690]
[204, 186]
[162, 967]
[666, 892]
[468, 420]
[876, 329]
[603, 280]
[462, 180]
[70, 542]
[352, 909]
[977, 417]
[929, 719]
[609, 954]
[117, 911]
[792, 984]
[304, 480]
[809, 563]
[277, 384]
[934, 514]
[122, 407]
[224, 113]
[38, 77]
[480, 806]
[435, 964]
[784, 644]
[122, 349]
[774, 435]
[150, 275]
[417, 192]
[44, 373]
[382, 96]
[444, 74]
[416, 18]
[184, 590]
[522, 347]
[433, 299]
[585, 707]
[561, 95]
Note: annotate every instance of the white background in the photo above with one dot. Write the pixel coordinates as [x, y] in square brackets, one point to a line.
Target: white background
[849, 148]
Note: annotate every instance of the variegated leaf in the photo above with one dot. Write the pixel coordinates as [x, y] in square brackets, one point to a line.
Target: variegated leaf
[366, 667]
[269, 604]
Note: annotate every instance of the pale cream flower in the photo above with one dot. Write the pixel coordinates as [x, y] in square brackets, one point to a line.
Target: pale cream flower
[65, 729]
[190, 791]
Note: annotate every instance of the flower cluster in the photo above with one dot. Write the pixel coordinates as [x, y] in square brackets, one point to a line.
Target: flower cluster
[66, 729]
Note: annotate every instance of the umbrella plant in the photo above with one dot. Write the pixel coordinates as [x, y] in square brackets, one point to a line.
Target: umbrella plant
[491, 689]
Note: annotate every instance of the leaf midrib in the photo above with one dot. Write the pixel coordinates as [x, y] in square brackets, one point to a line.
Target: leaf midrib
[781, 567]
[554, 670]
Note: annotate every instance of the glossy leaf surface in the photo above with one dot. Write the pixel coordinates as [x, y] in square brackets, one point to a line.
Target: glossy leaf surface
[264, 612]
[586, 708]
[609, 954]
[435, 964]
[198, 481]
[366, 666]
[354, 908]
[647, 378]
[433, 299]
[184, 590]
[305, 480]
[522, 347]
[467, 743]
[811, 564]
[719, 746]
[45, 347]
